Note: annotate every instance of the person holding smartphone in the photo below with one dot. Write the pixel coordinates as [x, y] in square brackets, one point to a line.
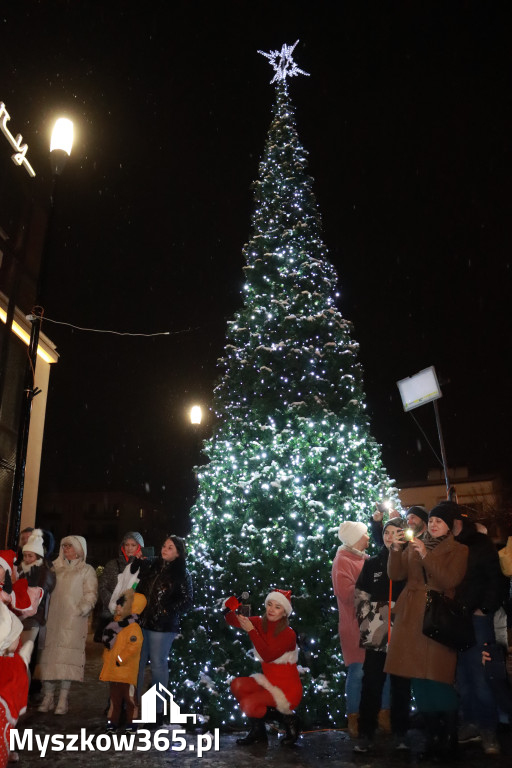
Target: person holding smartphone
[278, 685]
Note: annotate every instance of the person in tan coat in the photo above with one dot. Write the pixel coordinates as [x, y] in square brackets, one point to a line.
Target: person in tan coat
[74, 597]
[436, 562]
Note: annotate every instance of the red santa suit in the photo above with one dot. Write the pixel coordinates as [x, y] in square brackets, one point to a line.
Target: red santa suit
[21, 598]
[279, 683]
[14, 679]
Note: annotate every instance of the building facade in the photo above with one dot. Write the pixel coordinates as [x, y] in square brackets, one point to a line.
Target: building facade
[23, 224]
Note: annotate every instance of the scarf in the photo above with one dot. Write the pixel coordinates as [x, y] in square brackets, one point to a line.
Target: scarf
[431, 543]
[111, 630]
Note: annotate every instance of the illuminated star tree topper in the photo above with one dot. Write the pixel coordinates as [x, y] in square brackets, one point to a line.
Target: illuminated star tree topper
[283, 63]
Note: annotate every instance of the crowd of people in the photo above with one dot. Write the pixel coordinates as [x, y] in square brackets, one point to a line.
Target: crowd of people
[460, 692]
[382, 603]
[46, 607]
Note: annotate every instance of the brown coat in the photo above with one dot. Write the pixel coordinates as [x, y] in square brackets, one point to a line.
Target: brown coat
[411, 653]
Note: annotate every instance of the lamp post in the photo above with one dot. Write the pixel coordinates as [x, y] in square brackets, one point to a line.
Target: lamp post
[60, 149]
[196, 418]
[196, 415]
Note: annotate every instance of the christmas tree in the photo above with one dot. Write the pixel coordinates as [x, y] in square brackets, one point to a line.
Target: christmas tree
[291, 454]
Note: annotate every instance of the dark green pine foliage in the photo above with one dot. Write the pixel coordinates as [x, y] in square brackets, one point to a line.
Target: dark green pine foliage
[291, 453]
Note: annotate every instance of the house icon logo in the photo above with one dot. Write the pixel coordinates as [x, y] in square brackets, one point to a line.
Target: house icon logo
[171, 709]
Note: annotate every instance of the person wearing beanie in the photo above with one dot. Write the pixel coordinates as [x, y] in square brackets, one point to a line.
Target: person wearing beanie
[484, 592]
[130, 549]
[374, 604]
[41, 583]
[346, 568]
[433, 562]
[73, 599]
[417, 520]
[278, 687]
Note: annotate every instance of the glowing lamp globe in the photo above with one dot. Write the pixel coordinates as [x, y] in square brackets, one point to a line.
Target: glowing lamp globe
[196, 414]
[62, 135]
[61, 144]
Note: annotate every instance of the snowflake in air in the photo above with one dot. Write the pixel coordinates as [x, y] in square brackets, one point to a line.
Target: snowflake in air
[283, 63]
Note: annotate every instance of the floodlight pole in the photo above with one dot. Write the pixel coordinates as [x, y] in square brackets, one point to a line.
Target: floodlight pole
[441, 443]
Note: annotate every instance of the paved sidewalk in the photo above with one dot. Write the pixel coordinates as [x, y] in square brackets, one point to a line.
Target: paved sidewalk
[324, 748]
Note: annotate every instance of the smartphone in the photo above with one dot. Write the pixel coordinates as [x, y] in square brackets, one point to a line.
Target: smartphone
[244, 610]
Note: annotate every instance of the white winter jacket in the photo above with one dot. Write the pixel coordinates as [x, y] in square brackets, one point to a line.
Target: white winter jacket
[74, 597]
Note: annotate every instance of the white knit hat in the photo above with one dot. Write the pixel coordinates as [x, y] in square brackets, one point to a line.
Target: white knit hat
[350, 532]
[282, 597]
[35, 543]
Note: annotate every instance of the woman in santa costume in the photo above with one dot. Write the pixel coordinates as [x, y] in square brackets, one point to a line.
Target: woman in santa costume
[278, 685]
[14, 679]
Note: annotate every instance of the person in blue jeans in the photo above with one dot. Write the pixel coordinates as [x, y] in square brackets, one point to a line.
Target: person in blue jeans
[167, 587]
[483, 591]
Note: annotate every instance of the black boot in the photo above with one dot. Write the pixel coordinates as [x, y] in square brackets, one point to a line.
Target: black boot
[434, 733]
[292, 726]
[257, 733]
[450, 742]
[273, 716]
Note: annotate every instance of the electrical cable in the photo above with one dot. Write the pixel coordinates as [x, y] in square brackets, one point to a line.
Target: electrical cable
[116, 333]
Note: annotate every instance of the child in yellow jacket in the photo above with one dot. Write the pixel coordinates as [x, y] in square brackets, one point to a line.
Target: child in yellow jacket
[122, 639]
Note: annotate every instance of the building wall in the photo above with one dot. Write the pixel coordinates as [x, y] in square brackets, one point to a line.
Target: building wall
[23, 224]
[103, 517]
[484, 495]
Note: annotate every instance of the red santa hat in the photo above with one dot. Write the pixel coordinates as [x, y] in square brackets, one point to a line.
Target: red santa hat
[282, 597]
[7, 557]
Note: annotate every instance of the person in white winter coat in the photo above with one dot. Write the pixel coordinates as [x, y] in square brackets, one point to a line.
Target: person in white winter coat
[75, 594]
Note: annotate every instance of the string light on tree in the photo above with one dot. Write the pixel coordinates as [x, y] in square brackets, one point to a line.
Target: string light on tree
[291, 452]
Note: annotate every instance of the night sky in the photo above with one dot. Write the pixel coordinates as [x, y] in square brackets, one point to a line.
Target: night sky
[407, 119]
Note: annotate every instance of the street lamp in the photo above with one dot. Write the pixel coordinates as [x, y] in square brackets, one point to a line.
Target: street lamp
[60, 149]
[196, 415]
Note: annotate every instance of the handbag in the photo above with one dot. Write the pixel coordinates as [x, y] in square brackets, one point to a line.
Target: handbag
[447, 621]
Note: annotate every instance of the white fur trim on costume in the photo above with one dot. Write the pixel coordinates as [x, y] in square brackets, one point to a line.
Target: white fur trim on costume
[25, 651]
[278, 597]
[282, 703]
[290, 657]
[10, 719]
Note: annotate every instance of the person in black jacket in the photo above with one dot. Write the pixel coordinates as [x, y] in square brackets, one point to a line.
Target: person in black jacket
[483, 591]
[373, 604]
[167, 587]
